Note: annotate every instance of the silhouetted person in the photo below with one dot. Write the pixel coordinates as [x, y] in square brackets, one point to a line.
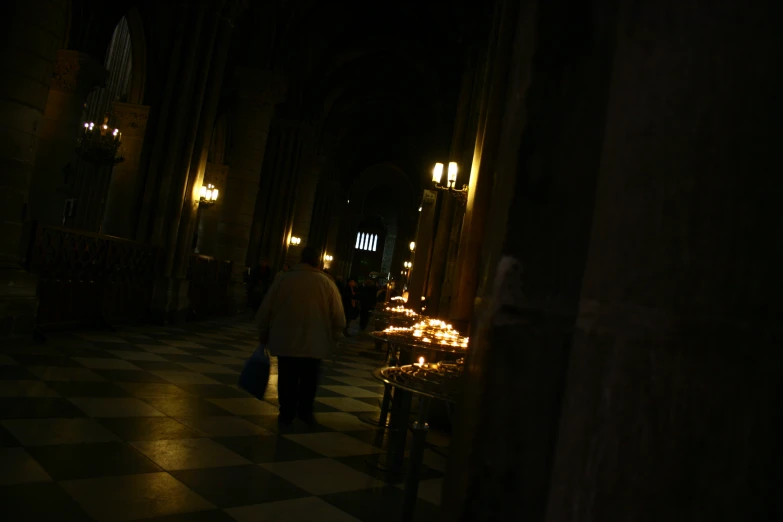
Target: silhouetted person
[258, 283]
[299, 319]
[350, 298]
[367, 297]
[286, 268]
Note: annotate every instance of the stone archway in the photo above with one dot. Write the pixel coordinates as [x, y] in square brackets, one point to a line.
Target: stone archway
[385, 191]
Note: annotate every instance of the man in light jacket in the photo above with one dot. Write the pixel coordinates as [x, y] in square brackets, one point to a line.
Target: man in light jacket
[300, 319]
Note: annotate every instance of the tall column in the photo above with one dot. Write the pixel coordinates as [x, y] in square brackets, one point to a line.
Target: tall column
[332, 235]
[75, 75]
[305, 199]
[423, 249]
[125, 187]
[185, 117]
[440, 254]
[482, 169]
[274, 207]
[27, 63]
[209, 223]
[448, 211]
[449, 272]
[322, 216]
[203, 138]
[537, 236]
[674, 381]
[258, 94]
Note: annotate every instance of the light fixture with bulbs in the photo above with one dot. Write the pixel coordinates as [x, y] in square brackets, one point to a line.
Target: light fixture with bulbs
[294, 240]
[327, 257]
[209, 195]
[100, 144]
[461, 195]
[412, 246]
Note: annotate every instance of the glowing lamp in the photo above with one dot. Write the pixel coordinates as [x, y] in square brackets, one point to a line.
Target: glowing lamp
[295, 240]
[437, 173]
[452, 175]
[209, 194]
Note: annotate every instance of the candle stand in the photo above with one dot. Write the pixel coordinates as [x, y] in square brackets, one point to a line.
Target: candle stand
[404, 379]
[384, 319]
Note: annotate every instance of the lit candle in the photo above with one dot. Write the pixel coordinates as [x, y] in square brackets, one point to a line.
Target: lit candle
[421, 362]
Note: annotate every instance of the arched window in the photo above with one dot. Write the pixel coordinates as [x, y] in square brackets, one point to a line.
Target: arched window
[365, 241]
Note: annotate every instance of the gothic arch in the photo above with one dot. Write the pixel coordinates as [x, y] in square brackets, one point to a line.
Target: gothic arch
[384, 174]
[138, 39]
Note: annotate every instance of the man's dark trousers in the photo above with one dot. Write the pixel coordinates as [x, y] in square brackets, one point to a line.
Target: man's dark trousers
[297, 381]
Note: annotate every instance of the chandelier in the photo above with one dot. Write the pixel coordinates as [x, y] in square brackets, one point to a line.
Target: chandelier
[100, 144]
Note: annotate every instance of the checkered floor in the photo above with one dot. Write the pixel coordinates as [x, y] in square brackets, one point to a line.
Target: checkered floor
[147, 424]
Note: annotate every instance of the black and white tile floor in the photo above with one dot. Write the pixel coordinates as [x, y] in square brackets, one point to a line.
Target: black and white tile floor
[148, 424]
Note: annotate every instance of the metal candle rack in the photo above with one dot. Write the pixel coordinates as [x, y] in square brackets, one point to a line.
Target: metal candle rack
[433, 380]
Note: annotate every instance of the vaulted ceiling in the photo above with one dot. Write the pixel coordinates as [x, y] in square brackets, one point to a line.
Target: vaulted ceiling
[379, 81]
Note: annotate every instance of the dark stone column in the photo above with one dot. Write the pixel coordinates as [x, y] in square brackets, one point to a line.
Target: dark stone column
[75, 75]
[126, 182]
[274, 207]
[440, 255]
[674, 381]
[177, 161]
[423, 250]
[447, 212]
[34, 31]
[449, 271]
[304, 207]
[482, 169]
[198, 162]
[215, 174]
[538, 228]
[322, 215]
[258, 94]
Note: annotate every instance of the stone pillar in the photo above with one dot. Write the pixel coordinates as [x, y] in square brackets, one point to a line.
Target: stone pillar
[274, 207]
[305, 198]
[203, 138]
[75, 75]
[449, 272]
[332, 235]
[423, 249]
[126, 185]
[321, 216]
[440, 255]
[538, 228]
[482, 169]
[448, 208]
[675, 372]
[209, 220]
[27, 63]
[184, 121]
[258, 94]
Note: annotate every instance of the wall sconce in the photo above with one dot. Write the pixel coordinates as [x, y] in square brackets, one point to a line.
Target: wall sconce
[327, 257]
[209, 195]
[461, 195]
[412, 246]
[408, 265]
[294, 240]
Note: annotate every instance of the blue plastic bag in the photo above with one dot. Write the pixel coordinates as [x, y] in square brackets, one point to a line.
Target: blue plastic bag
[255, 375]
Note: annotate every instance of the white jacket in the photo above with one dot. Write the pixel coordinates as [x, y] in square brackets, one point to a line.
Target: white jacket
[302, 314]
